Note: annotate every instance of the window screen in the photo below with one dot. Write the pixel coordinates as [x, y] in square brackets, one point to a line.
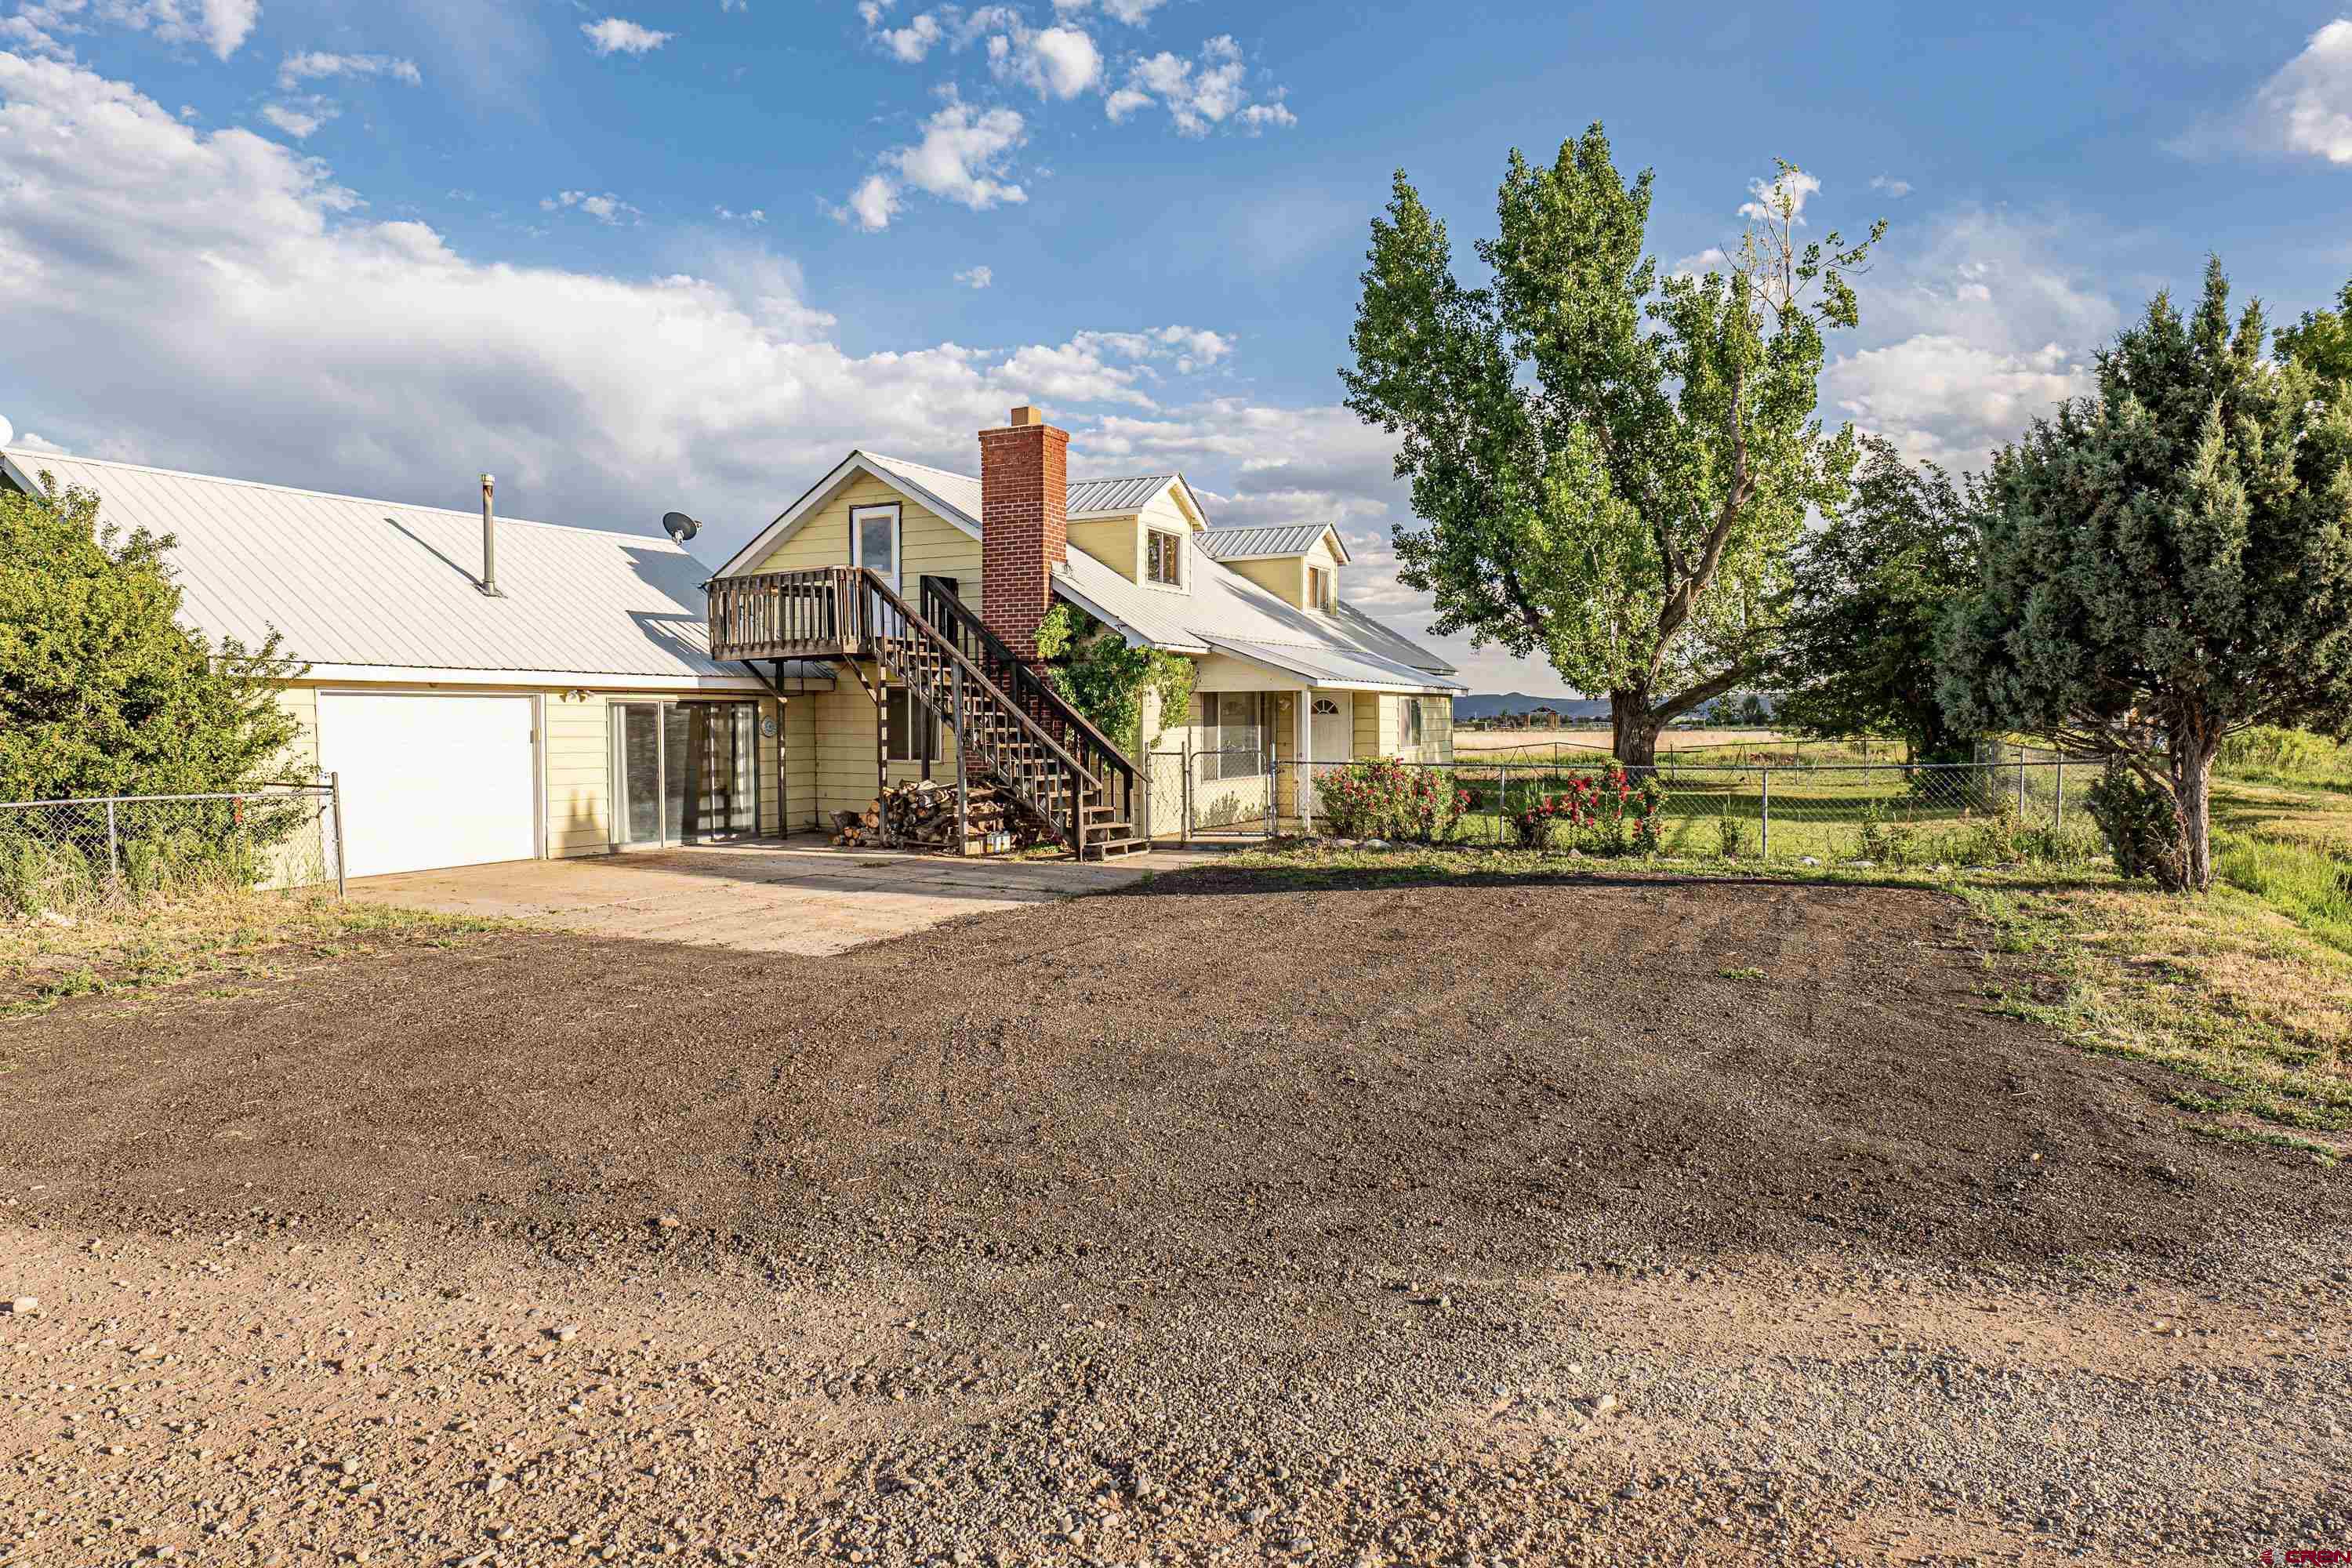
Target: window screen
[1411, 720]
[1234, 738]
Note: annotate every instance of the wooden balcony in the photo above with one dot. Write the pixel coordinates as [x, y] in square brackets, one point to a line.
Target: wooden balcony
[786, 615]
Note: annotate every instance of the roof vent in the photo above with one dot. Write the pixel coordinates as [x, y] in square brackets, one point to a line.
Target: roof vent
[489, 582]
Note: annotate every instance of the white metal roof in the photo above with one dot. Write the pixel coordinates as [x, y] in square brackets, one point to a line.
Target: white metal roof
[1224, 610]
[1116, 496]
[1270, 543]
[358, 585]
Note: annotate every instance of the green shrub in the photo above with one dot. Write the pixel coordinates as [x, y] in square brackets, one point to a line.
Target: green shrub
[1607, 813]
[2142, 827]
[2270, 751]
[1731, 837]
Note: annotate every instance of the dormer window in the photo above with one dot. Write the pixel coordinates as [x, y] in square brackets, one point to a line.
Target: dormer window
[1321, 593]
[1163, 557]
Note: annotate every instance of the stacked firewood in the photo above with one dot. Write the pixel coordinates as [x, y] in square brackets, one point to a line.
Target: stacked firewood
[921, 813]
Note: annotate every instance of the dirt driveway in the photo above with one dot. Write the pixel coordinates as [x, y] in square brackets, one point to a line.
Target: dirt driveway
[795, 896]
[1205, 1222]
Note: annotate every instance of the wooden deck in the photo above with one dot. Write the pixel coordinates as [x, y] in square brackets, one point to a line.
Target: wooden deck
[786, 615]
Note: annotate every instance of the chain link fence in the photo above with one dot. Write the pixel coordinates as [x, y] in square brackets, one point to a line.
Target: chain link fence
[2030, 805]
[68, 857]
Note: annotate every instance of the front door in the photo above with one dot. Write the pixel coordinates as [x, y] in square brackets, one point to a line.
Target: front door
[1334, 732]
[684, 772]
[1331, 735]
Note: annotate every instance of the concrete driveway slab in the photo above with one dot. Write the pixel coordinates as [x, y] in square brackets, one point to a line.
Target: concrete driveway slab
[782, 896]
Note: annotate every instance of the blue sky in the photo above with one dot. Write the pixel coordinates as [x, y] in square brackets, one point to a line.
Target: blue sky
[685, 254]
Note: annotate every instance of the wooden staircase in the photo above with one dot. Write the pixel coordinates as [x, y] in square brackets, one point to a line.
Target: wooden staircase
[1022, 749]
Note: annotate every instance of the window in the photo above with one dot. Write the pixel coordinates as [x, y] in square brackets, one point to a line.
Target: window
[1412, 730]
[874, 540]
[1163, 557]
[1318, 587]
[912, 727]
[1231, 737]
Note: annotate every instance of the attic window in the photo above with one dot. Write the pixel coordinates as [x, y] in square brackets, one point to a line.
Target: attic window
[1318, 587]
[1163, 557]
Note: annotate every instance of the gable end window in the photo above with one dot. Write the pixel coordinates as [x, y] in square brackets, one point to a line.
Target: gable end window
[873, 538]
[1163, 557]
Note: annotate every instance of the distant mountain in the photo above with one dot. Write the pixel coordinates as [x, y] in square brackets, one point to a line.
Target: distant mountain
[1490, 705]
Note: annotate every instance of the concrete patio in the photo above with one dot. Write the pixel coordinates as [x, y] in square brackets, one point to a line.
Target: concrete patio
[798, 895]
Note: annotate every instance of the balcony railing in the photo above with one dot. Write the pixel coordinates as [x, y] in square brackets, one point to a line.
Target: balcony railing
[785, 614]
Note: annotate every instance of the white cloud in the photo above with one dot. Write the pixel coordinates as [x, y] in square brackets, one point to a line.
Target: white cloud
[2306, 108]
[1989, 322]
[964, 151]
[913, 41]
[1711, 259]
[1894, 189]
[282, 334]
[220, 26]
[1131, 12]
[1200, 93]
[299, 119]
[294, 69]
[606, 209]
[616, 34]
[1059, 62]
[1790, 188]
[976, 277]
[755, 217]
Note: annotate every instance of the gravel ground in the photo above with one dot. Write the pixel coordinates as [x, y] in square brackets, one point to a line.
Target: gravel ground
[1209, 1222]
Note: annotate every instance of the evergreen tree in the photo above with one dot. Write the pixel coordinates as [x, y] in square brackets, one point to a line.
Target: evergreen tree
[2165, 562]
[102, 691]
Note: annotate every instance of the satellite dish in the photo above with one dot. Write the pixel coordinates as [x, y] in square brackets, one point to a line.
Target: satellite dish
[679, 526]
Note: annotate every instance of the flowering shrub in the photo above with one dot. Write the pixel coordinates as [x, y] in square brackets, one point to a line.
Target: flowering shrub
[1607, 813]
[1380, 797]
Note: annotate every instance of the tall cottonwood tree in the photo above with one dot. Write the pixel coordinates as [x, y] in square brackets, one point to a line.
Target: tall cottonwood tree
[2167, 562]
[1611, 468]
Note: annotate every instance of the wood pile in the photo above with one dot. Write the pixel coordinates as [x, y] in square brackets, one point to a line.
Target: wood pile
[921, 815]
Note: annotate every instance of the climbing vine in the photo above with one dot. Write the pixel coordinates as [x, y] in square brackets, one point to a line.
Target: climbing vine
[1105, 678]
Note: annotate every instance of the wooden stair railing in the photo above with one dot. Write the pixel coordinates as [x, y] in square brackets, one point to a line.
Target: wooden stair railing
[990, 725]
[1094, 750]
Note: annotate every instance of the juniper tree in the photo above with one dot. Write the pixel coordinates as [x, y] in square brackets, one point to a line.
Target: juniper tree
[1611, 466]
[2167, 562]
[102, 691]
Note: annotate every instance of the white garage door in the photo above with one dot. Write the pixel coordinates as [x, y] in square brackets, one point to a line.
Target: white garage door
[431, 780]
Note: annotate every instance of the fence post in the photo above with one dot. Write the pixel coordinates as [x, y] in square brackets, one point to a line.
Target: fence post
[113, 847]
[1764, 844]
[2020, 784]
[1273, 795]
[1184, 795]
[335, 785]
[1502, 800]
[2058, 798]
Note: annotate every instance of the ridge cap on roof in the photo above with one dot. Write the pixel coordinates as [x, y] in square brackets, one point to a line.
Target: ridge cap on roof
[21, 455]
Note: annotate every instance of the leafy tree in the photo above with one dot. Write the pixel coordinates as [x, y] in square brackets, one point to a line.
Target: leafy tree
[1857, 651]
[101, 690]
[1611, 467]
[2323, 340]
[2166, 562]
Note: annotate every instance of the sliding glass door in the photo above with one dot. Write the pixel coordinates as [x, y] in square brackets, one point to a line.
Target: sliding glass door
[685, 772]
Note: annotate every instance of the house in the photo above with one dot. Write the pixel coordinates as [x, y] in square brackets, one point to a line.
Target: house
[580, 692]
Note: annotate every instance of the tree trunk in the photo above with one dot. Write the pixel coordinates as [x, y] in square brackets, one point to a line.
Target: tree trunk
[2193, 783]
[1633, 727]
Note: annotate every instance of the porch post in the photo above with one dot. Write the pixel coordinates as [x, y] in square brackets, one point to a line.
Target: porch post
[1306, 758]
[963, 771]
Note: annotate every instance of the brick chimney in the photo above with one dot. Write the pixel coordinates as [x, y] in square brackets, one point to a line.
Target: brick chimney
[1024, 523]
